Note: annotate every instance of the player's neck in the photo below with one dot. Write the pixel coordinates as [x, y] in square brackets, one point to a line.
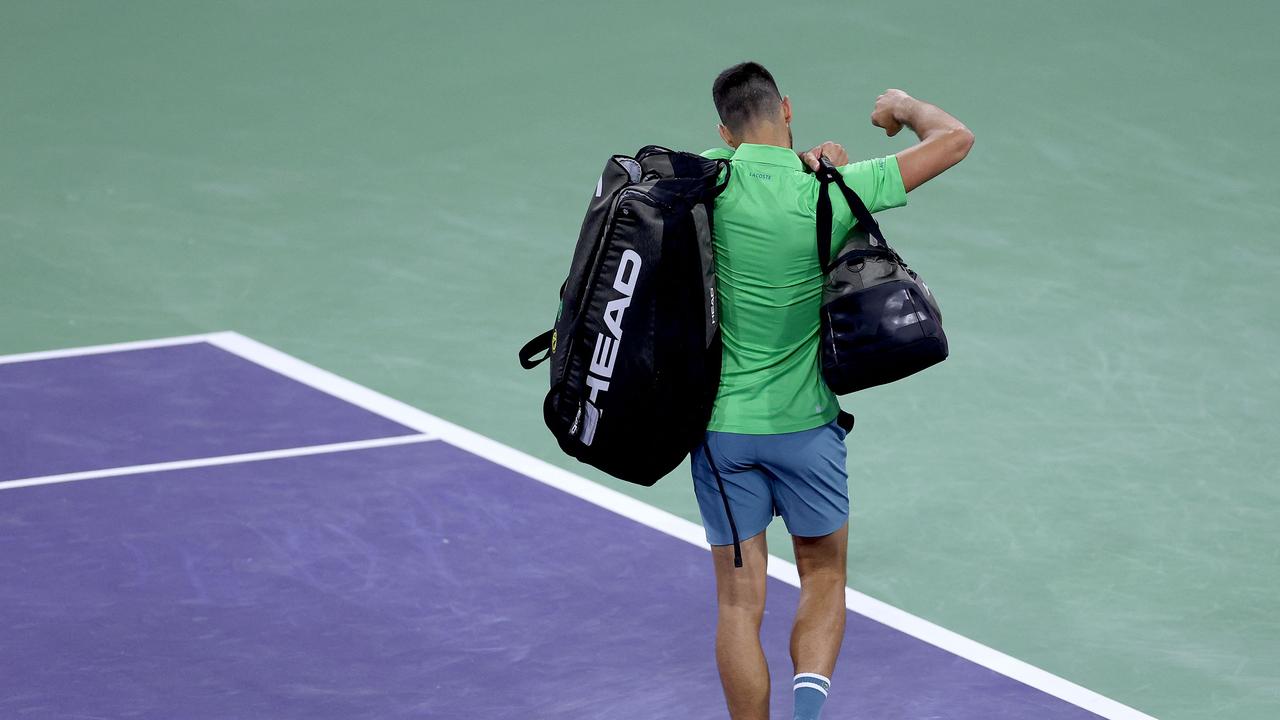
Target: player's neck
[778, 135]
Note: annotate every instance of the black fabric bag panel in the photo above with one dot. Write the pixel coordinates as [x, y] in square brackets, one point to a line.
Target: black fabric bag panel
[863, 265]
[608, 362]
[878, 334]
[635, 350]
[619, 172]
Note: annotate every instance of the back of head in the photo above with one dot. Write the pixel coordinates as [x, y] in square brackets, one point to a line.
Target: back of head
[745, 96]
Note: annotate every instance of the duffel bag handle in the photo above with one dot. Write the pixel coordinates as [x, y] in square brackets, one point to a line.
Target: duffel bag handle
[826, 175]
[540, 344]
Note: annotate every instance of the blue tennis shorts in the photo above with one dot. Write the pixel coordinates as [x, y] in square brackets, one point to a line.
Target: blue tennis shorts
[800, 476]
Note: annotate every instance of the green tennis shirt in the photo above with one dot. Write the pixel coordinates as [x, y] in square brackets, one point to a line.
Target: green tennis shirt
[770, 284]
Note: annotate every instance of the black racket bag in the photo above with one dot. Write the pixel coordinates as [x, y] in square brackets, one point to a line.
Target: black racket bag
[635, 349]
[880, 321]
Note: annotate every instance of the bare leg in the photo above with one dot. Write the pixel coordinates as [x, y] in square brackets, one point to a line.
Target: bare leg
[819, 627]
[740, 596]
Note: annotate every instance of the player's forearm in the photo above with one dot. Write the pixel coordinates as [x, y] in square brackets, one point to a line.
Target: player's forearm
[944, 140]
[932, 124]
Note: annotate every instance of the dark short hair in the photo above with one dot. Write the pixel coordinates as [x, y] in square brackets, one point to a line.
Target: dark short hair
[744, 94]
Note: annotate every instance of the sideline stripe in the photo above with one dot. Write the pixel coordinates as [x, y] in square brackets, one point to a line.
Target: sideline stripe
[218, 460]
[663, 521]
[99, 349]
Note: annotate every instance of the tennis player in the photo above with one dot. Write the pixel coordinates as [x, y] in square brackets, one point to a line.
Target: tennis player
[773, 435]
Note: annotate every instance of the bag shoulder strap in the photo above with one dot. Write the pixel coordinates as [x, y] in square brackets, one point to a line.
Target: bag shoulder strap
[828, 174]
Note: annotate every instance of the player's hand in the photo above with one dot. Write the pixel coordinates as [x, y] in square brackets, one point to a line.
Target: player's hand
[885, 115]
[834, 152]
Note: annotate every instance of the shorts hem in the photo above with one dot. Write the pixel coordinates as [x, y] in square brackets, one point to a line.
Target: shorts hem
[843, 521]
[741, 538]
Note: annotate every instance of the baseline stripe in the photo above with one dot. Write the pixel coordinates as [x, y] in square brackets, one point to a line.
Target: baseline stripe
[218, 460]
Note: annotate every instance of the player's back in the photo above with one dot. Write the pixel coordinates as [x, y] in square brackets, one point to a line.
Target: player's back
[770, 285]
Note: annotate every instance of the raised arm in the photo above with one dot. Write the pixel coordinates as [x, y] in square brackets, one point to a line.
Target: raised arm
[944, 140]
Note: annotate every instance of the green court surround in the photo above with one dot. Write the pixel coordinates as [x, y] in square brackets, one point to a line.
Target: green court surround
[391, 191]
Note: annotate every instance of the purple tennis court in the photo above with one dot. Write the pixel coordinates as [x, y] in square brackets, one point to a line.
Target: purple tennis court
[305, 556]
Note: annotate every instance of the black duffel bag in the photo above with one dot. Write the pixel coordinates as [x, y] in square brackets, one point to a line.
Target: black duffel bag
[880, 321]
[635, 350]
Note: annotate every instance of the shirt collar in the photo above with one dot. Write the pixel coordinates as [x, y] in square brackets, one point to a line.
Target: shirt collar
[768, 155]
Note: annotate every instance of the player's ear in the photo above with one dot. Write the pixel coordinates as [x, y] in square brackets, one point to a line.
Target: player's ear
[786, 109]
[727, 136]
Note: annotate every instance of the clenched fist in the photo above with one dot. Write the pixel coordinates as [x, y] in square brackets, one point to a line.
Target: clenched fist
[887, 113]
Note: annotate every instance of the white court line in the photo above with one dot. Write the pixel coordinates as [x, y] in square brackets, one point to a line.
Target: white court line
[99, 349]
[626, 506]
[218, 460]
[664, 521]
[339, 387]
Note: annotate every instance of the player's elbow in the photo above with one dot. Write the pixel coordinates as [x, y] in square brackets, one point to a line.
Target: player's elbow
[932, 157]
[959, 142]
